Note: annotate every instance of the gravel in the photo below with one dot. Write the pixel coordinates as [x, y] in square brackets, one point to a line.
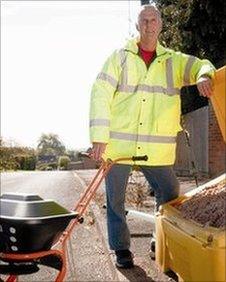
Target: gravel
[207, 207]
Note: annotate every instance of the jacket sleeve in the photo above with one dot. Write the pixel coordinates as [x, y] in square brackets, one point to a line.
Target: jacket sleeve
[193, 69]
[102, 94]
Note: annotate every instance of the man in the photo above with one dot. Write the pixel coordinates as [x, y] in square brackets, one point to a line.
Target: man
[135, 110]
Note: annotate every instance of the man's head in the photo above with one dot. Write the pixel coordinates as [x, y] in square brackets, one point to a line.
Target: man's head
[149, 22]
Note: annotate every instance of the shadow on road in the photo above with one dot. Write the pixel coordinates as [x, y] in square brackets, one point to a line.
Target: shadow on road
[136, 274]
[141, 235]
[172, 275]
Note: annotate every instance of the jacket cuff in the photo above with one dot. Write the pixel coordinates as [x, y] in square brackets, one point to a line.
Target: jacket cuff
[99, 134]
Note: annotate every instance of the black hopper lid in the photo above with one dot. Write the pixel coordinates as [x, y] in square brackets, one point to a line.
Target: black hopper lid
[20, 205]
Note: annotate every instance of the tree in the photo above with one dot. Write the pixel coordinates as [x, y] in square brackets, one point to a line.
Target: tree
[26, 161]
[195, 27]
[73, 155]
[63, 162]
[206, 27]
[50, 145]
[13, 158]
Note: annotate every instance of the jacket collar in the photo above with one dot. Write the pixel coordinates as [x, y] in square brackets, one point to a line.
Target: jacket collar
[132, 47]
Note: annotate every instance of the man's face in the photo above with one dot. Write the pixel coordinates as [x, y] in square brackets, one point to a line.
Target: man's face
[149, 24]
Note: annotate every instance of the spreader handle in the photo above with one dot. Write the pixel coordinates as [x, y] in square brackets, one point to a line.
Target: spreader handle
[140, 158]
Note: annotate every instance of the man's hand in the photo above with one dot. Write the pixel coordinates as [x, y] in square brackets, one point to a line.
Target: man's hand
[205, 87]
[98, 150]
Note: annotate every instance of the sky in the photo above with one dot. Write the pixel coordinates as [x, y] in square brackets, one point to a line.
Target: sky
[51, 53]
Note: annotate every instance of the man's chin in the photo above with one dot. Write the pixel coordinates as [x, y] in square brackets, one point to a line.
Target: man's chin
[151, 37]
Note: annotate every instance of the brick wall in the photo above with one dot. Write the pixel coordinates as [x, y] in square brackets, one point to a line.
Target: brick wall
[217, 147]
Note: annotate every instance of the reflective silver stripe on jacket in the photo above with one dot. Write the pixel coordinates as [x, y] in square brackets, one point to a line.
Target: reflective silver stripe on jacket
[169, 73]
[108, 78]
[99, 122]
[124, 68]
[187, 70]
[149, 89]
[142, 138]
[141, 87]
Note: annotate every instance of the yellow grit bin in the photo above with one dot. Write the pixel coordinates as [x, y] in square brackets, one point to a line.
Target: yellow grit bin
[218, 98]
[195, 253]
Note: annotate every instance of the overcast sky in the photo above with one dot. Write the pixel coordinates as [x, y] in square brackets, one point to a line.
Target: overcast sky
[51, 53]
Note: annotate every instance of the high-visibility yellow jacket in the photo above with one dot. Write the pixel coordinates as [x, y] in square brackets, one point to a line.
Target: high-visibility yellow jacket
[136, 110]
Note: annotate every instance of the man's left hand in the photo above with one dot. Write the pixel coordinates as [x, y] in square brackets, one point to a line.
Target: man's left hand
[205, 87]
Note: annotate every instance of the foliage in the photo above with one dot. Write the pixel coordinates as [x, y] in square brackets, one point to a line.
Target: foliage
[63, 162]
[50, 145]
[53, 165]
[195, 27]
[7, 160]
[46, 157]
[47, 166]
[13, 158]
[172, 14]
[26, 162]
[73, 155]
[206, 26]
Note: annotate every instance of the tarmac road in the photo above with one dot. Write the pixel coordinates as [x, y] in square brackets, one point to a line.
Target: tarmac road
[57, 185]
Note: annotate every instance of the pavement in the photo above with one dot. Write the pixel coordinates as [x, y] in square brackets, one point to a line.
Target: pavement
[145, 269]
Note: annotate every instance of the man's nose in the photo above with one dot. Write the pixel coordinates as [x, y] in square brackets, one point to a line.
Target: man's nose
[149, 24]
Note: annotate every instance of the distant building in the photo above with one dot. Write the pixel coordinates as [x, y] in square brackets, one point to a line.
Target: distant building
[85, 162]
[47, 158]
